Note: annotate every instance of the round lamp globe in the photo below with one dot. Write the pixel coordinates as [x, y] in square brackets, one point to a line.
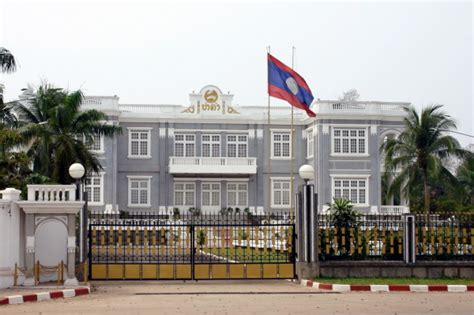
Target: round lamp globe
[306, 172]
[76, 170]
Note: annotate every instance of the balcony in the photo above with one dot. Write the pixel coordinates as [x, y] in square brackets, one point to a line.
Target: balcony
[213, 165]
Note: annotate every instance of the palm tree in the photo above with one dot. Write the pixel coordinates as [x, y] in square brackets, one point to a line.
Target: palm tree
[342, 212]
[420, 150]
[7, 117]
[7, 61]
[465, 175]
[58, 131]
[7, 65]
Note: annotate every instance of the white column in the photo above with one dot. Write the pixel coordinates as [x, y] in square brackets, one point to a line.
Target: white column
[9, 235]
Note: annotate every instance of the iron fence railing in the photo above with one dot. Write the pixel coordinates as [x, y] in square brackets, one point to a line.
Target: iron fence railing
[366, 237]
[444, 236]
[448, 236]
[186, 238]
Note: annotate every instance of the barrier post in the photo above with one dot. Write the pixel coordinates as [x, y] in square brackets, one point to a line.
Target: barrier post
[15, 275]
[86, 271]
[37, 272]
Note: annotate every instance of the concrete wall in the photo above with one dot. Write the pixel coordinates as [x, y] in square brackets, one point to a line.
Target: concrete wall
[326, 165]
[10, 247]
[395, 269]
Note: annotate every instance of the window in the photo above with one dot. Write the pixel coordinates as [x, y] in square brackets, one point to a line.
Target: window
[349, 141]
[139, 143]
[184, 194]
[237, 195]
[184, 145]
[95, 189]
[309, 143]
[211, 195]
[94, 143]
[280, 193]
[281, 144]
[139, 191]
[353, 189]
[211, 145]
[237, 146]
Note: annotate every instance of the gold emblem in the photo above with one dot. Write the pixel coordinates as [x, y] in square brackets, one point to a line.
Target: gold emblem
[211, 96]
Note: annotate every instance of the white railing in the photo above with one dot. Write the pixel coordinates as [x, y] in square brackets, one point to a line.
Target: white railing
[364, 108]
[52, 193]
[140, 108]
[211, 165]
[100, 102]
[394, 209]
[212, 161]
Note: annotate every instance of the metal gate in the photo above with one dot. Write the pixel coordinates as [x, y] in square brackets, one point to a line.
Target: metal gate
[191, 247]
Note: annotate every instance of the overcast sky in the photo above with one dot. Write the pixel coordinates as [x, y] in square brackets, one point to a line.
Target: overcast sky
[158, 53]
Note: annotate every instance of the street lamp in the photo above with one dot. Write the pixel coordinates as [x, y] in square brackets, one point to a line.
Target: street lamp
[306, 172]
[77, 171]
[308, 215]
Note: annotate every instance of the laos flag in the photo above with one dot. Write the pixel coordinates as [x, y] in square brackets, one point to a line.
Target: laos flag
[286, 84]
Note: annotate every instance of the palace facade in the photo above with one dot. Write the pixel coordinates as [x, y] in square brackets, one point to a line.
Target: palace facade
[212, 154]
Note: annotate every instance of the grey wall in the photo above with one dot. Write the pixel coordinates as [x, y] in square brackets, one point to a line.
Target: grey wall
[118, 165]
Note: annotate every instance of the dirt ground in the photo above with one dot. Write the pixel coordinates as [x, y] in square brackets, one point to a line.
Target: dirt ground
[242, 297]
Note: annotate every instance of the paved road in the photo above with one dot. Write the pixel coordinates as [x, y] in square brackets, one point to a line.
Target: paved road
[242, 297]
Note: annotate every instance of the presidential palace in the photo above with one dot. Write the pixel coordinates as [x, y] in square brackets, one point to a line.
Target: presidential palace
[212, 154]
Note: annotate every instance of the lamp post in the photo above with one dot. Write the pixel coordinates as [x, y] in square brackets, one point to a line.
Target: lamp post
[308, 215]
[77, 171]
[306, 172]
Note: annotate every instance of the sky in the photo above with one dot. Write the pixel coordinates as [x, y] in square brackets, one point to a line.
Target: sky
[147, 52]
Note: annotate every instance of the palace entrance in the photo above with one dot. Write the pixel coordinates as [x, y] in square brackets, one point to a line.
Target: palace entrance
[191, 247]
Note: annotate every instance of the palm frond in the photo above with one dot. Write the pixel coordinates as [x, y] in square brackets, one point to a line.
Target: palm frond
[7, 61]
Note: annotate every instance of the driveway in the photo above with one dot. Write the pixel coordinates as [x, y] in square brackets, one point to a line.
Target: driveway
[242, 297]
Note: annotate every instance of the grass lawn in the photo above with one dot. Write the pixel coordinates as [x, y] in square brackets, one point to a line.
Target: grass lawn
[394, 281]
[248, 254]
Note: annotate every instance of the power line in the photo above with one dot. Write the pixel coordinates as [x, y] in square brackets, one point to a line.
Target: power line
[460, 133]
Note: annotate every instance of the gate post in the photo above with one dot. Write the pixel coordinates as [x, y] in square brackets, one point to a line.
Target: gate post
[307, 227]
[193, 249]
[409, 253]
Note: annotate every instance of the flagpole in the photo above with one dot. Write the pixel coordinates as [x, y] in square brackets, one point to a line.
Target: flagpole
[269, 193]
[292, 139]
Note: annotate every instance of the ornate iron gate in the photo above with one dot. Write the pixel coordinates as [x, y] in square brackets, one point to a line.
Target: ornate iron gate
[191, 247]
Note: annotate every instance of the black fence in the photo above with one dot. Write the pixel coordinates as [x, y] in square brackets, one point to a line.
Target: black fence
[382, 237]
[445, 236]
[367, 237]
[191, 238]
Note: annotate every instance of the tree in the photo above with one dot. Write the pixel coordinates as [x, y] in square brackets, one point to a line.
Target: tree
[7, 65]
[7, 117]
[7, 61]
[57, 131]
[418, 153]
[350, 95]
[465, 175]
[342, 212]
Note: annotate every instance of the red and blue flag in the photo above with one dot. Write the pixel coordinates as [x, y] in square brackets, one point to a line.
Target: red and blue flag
[284, 83]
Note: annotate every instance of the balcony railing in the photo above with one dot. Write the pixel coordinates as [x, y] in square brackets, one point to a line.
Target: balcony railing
[52, 193]
[361, 108]
[101, 102]
[212, 165]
